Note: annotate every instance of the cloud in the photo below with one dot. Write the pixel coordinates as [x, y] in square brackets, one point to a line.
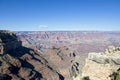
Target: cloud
[43, 26]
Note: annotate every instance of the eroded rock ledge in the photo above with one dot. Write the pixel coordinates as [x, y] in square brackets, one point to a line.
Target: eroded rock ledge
[101, 66]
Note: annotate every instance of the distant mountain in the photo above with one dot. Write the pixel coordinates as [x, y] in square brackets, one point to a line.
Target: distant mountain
[81, 41]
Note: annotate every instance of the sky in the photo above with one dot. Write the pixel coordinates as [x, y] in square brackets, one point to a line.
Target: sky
[60, 15]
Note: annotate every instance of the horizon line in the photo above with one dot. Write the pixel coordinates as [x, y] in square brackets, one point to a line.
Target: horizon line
[62, 30]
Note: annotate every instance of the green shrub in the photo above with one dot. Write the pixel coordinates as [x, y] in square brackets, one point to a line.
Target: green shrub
[107, 61]
[115, 76]
[86, 78]
[118, 75]
[75, 75]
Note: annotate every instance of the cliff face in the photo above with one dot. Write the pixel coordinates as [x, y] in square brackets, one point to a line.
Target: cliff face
[8, 41]
[102, 66]
[21, 63]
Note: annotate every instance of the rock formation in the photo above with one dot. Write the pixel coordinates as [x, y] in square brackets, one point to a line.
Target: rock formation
[102, 66]
[18, 62]
[63, 61]
[8, 41]
[40, 57]
[21, 63]
[81, 41]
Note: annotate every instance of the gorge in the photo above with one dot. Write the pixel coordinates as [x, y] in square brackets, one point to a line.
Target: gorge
[59, 55]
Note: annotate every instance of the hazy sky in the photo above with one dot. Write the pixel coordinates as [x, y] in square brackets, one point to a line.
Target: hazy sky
[51, 15]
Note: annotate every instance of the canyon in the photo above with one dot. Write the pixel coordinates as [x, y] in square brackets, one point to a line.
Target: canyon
[58, 55]
[81, 41]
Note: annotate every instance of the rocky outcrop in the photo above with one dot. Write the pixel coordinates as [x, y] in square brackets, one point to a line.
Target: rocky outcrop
[100, 66]
[21, 63]
[8, 41]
